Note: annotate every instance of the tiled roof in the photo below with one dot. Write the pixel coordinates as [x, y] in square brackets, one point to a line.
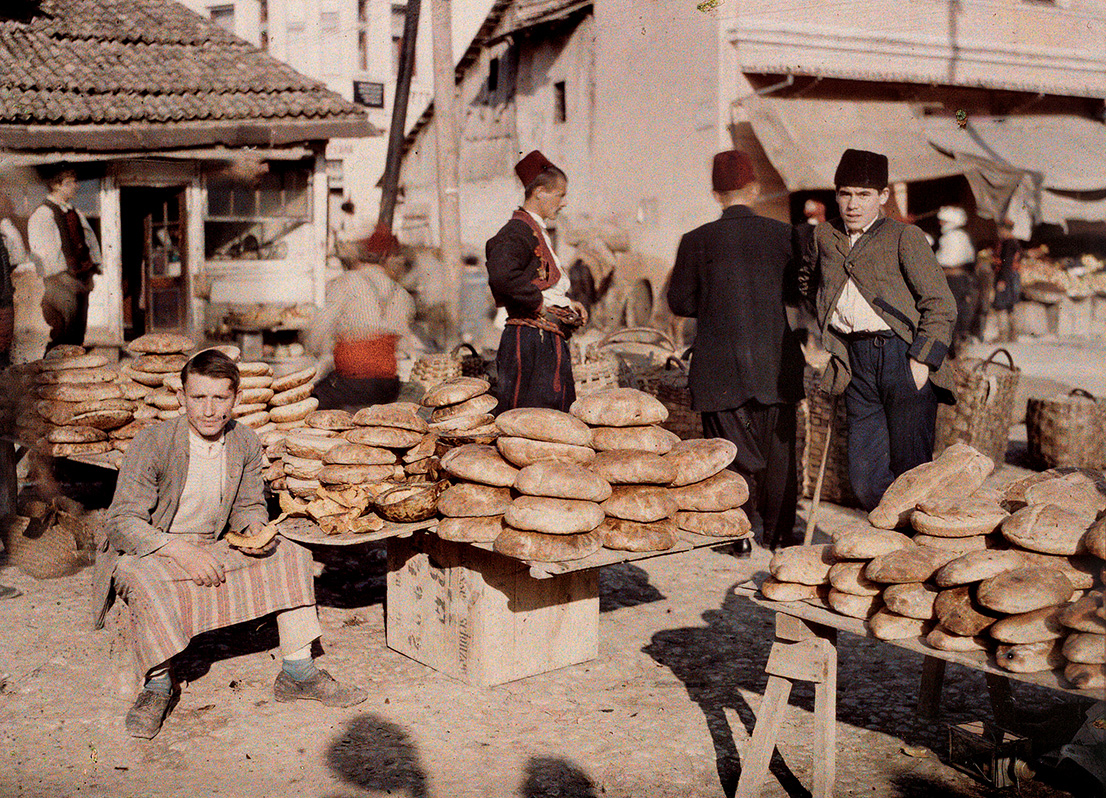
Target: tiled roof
[115, 62]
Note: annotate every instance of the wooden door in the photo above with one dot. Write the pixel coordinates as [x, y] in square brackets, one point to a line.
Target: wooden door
[165, 269]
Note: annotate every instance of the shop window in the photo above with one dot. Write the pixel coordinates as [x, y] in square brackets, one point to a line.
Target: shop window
[250, 218]
[223, 16]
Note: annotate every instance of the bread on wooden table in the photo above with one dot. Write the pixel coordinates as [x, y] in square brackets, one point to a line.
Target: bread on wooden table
[886, 625]
[538, 547]
[641, 503]
[544, 424]
[723, 491]
[476, 462]
[1085, 647]
[1085, 615]
[864, 543]
[343, 453]
[291, 396]
[775, 590]
[562, 480]
[913, 564]
[619, 407]
[621, 535]
[76, 434]
[455, 391]
[1024, 590]
[958, 545]
[383, 437]
[960, 613]
[647, 438]
[337, 420]
[633, 468]
[400, 415]
[1084, 676]
[726, 524]
[1046, 528]
[957, 517]
[476, 406]
[553, 516]
[944, 640]
[699, 459]
[808, 565]
[297, 379]
[161, 344]
[1043, 655]
[474, 529]
[959, 467]
[852, 605]
[848, 577]
[524, 451]
[466, 499]
[912, 599]
[1029, 627]
[1080, 570]
[975, 566]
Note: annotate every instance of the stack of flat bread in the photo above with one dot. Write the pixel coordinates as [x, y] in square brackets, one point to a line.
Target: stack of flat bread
[461, 412]
[79, 402]
[255, 392]
[800, 573]
[300, 454]
[474, 505]
[959, 470]
[708, 495]
[289, 401]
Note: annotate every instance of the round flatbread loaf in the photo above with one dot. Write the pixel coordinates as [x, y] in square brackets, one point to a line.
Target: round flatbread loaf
[476, 462]
[230, 350]
[291, 396]
[301, 467]
[77, 449]
[165, 415]
[886, 625]
[454, 391]
[93, 360]
[775, 590]
[648, 438]
[854, 606]
[357, 454]
[83, 392]
[912, 599]
[134, 390]
[553, 516]
[462, 424]
[384, 437]
[641, 503]
[145, 412]
[77, 376]
[633, 468]
[1024, 590]
[1085, 647]
[724, 491]
[160, 364]
[400, 416]
[310, 443]
[249, 396]
[807, 565]
[103, 419]
[476, 406]
[523, 451]
[297, 411]
[1046, 528]
[163, 399]
[699, 459]
[354, 474]
[297, 379]
[255, 368]
[619, 407]
[304, 488]
[1077, 493]
[944, 640]
[960, 613]
[1094, 540]
[247, 383]
[957, 517]
[536, 547]
[128, 431]
[621, 535]
[867, 542]
[76, 434]
[467, 499]
[476, 529]
[1080, 570]
[241, 409]
[1029, 627]
[1085, 615]
[975, 566]
[149, 379]
[425, 448]
[957, 545]
[544, 424]
[339, 420]
[1085, 677]
[161, 344]
[959, 465]
[914, 564]
[726, 524]
[848, 577]
[64, 350]
[562, 481]
[1030, 657]
[252, 420]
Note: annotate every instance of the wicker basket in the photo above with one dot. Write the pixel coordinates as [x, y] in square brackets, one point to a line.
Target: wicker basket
[472, 364]
[815, 415]
[1067, 430]
[430, 370]
[597, 375]
[668, 382]
[984, 408]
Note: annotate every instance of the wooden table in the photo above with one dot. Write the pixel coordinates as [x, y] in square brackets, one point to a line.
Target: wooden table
[485, 618]
[805, 649]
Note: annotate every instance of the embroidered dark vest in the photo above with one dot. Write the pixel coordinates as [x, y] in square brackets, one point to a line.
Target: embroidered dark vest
[74, 247]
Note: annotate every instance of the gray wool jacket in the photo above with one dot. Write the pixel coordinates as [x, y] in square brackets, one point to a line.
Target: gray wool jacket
[897, 273]
[148, 493]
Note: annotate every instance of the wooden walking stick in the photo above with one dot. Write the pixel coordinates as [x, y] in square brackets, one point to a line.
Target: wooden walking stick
[816, 500]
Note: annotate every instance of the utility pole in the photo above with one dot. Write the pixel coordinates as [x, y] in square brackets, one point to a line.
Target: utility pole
[399, 115]
[447, 134]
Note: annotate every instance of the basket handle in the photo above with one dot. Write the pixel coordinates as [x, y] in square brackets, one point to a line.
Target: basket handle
[615, 335]
[998, 351]
[454, 352]
[677, 363]
[1081, 392]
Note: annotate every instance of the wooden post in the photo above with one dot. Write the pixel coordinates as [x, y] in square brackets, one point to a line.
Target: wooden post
[399, 115]
[447, 140]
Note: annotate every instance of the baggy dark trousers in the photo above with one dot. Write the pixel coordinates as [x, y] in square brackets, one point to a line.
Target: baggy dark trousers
[534, 369]
[765, 439]
[891, 423]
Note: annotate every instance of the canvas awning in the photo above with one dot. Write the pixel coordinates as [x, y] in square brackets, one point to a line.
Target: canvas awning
[804, 139]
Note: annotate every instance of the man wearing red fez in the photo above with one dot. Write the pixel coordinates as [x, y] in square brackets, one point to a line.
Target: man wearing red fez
[746, 372]
[526, 278]
[886, 316]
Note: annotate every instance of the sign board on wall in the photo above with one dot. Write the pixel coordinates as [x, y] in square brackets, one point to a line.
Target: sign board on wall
[368, 93]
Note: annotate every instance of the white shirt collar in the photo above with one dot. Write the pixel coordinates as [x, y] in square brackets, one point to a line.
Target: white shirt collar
[536, 218]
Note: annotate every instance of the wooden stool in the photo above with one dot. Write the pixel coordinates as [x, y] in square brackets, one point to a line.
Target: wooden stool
[806, 652]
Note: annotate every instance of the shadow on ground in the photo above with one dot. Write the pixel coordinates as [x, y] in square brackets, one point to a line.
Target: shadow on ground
[376, 754]
[554, 777]
[625, 585]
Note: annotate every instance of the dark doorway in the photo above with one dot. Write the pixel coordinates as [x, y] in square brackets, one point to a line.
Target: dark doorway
[155, 260]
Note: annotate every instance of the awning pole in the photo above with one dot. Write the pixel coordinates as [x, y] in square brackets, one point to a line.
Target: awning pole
[447, 139]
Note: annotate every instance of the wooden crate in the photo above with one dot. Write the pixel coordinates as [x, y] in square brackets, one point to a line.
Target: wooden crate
[480, 617]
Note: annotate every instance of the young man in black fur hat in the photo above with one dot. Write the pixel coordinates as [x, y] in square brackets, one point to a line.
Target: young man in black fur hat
[886, 316]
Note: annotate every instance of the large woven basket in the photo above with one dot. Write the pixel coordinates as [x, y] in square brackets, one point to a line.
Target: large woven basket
[984, 408]
[668, 382]
[1067, 430]
[429, 370]
[816, 414]
[596, 375]
[472, 364]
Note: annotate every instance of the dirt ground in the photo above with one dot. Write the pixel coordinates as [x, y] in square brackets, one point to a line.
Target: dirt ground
[665, 710]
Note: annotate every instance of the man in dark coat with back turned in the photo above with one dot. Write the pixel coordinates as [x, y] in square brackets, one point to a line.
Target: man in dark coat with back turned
[526, 278]
[747, 368]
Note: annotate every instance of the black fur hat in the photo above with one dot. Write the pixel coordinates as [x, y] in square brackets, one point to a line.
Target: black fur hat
[862, 169]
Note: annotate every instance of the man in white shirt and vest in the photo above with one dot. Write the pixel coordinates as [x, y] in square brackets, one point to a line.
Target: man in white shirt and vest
[527, 279]
[67, 253]
[885, 314]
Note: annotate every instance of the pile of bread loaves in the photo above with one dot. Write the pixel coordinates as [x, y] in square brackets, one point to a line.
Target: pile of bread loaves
[559, 486]
[460, 411]
[1017, 572]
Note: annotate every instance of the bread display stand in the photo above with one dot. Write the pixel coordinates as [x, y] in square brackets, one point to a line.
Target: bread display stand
[805, 650]
[484, 618]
